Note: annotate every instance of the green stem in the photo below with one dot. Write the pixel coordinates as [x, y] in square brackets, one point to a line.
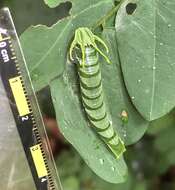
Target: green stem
[108, 15]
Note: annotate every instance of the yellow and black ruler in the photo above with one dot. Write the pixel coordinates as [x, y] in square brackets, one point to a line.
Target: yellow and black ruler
[23, 103]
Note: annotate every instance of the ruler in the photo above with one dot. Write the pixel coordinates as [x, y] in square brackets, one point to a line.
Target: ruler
[24, 105]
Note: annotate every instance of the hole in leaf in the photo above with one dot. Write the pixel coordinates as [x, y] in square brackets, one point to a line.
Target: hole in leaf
[130, 8]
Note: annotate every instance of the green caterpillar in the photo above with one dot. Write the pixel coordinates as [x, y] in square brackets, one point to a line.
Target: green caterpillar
[91, 87]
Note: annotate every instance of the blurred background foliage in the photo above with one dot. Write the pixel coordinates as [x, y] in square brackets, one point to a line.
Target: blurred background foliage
[151, 161]
[26, 13]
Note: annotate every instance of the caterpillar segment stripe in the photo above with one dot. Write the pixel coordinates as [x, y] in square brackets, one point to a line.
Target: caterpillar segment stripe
[93, 101]
[87, 55]
[20, 103]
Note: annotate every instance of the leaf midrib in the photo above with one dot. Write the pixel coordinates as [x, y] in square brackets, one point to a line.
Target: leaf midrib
[154, 64]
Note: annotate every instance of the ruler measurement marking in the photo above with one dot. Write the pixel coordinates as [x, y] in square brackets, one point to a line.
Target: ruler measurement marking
[39, 161]
[18, 93]
[14, 57]
[3, 39]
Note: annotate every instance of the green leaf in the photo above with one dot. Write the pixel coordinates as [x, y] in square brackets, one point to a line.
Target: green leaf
[86, 178]
[146, 41]
[73, 125]
[118, 99]
[53, 3]
[45, 48]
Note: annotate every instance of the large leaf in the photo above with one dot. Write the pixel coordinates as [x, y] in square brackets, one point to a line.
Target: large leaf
[46, 48]
[146, 40]
[118, 99]
[84, 177]
[73, 123]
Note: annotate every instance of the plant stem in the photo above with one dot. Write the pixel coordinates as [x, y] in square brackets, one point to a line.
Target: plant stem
[108, 15]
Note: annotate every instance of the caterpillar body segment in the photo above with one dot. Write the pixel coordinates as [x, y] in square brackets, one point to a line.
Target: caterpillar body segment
[92, 88]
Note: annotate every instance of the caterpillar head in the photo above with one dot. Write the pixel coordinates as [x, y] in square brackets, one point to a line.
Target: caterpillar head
[85, 38]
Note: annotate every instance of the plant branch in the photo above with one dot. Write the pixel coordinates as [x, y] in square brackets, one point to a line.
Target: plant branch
[108, 15]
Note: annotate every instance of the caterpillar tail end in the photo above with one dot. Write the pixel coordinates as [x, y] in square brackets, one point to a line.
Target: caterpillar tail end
[118, 149]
